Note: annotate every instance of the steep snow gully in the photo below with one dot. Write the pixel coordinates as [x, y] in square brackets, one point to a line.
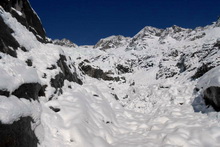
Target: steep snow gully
[160, 88]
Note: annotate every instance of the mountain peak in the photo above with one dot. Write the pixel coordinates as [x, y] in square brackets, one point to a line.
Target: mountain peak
[218, 22]
[149, 30]
[114, 41]
[64, 42]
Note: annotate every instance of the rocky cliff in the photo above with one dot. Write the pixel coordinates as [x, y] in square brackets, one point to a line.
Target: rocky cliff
[23, 78]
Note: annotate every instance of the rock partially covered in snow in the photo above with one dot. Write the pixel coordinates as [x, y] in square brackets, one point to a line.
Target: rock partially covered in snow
[18, 118]
[217, 44]
[65, 42]
[144, 37]
[112, 42]
[18, 134]
[211, 78]
[210, 85]
[16, 73]
[22, 11]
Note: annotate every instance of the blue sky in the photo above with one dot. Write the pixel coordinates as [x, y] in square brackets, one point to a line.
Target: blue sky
[86, 21]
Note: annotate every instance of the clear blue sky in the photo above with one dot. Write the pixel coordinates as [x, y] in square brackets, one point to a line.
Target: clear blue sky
[86, 21]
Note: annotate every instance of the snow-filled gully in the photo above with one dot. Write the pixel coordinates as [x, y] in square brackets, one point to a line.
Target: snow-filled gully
[85, 120]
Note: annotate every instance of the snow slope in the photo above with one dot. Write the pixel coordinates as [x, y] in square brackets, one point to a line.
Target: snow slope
[151, 110]
[152, 104]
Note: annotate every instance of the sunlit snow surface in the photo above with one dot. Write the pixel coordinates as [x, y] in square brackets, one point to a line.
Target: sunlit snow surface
[158, 113]
[90, 117]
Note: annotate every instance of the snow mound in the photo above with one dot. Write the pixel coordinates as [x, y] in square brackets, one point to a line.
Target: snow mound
[12, 109]
[15, 73]
[209, 79]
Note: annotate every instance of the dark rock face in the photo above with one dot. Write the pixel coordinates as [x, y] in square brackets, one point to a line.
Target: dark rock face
[18, 134]
[212, 97]
[202, 70]
[98, 73]
[28, 18]
[29, 62]
[4, 93]
[55, 109]
[42, 90]
[181, 65]
[217, 44]
[116, 97]
[58, 82]
[28, 91]
[165, 72]
[66, 74]
[8, 44]
[52, 67]
[123, 69]
[94, 72]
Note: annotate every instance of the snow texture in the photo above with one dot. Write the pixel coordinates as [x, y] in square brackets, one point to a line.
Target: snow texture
[211, 78]
[12, 108]
[157, 105]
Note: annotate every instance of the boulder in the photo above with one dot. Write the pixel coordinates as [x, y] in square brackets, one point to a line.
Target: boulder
[28, 91]
[209, 84]
[212, 97]
[18, 134]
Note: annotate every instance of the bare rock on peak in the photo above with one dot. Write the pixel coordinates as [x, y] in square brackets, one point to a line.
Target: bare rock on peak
[112, 42]
[65, 42]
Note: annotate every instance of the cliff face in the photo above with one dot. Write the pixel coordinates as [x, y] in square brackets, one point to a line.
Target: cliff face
[30, 68]
[22, 11]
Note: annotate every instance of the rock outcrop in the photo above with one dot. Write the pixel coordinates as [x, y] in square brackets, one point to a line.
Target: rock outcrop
[8, 44]
[209, 85]
[22, 11]
[212, 97]
[67, 73]
[18, 134]
[29, 91]
[98, 73]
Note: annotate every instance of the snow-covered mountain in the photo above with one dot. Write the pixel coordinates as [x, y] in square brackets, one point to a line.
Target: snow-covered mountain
[112, 42]
[144, 91]
[65, 42]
